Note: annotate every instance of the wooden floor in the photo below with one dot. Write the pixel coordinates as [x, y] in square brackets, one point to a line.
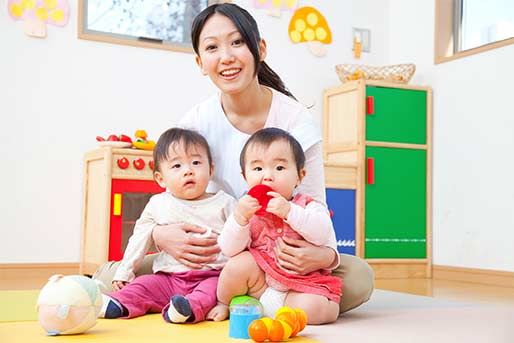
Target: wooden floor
[451, 290]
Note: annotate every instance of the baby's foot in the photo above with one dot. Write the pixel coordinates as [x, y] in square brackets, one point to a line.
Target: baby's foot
[218, 313]
[111, 308]
[179, 310]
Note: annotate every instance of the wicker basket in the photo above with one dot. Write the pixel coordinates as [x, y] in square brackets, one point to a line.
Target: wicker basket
[400, 73]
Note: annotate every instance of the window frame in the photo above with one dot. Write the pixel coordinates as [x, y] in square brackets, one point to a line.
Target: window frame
[84, 33]
[446, 37]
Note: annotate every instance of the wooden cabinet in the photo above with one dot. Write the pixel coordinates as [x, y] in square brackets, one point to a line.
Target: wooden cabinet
[117, 185]
[377, 149]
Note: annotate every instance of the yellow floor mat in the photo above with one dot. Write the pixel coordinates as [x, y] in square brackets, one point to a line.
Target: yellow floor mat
[18, 306]
[149, 328]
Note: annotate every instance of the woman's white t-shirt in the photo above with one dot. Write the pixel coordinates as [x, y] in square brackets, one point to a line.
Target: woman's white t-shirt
[226, 142]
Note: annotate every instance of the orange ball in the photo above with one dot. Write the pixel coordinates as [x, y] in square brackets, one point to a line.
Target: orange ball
[279, 331]
[301, 318]
[258, 331]
[290, 318]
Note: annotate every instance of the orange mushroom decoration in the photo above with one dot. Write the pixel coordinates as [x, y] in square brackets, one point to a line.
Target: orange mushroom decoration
[309, 25]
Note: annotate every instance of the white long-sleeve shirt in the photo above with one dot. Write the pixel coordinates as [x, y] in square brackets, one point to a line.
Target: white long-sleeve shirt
[210, 213]
[226, 142]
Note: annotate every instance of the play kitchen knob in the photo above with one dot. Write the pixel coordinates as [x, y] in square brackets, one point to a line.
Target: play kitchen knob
[151, 165]
[139, 163]
[123, 163]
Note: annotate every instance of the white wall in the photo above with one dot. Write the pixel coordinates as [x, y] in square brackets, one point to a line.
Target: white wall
[473, 188]
[58, 93]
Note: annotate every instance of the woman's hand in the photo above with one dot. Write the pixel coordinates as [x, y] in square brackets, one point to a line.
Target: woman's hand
[118, 285]
[179, 241]
[298, 256]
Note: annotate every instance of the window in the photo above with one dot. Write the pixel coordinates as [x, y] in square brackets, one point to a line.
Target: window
[466, 27]
[162, 24]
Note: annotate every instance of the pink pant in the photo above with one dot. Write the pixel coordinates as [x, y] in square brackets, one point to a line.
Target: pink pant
[152, 293]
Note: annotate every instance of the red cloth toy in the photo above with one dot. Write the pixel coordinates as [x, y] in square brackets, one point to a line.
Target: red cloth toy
[260, 192]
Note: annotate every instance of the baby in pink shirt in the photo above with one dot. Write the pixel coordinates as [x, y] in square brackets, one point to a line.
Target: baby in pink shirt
[272, 157]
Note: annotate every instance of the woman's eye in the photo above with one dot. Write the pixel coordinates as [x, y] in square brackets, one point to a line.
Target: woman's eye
[210, 47]
[238, 42]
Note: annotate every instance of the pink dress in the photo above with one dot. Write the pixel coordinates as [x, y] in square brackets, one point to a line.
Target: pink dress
[264, 230]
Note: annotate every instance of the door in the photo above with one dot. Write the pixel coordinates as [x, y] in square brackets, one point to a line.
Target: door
[396, 115]
[128, 200]
[395, 203]
[341, 203]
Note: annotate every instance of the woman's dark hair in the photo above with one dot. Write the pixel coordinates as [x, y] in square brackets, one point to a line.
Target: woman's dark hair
[265, 137]
[188, 138]
[247, 27]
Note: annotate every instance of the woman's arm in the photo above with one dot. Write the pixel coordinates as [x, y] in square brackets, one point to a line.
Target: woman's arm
[313, 184]
[177, 240]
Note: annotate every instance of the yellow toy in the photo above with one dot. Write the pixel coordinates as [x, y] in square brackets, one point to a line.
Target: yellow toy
[141, 141]
[288, 323]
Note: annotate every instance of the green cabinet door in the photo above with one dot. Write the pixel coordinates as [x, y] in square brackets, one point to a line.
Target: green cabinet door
[399, 115]
[395, 204]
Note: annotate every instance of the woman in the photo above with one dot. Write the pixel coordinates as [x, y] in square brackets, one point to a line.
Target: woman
[251, 96]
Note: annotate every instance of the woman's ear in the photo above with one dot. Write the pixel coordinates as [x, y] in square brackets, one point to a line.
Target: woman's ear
[263, 50]
[200, 64]
[159, 179]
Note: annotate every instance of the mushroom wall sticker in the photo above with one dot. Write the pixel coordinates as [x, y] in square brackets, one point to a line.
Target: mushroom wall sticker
[37, 13]
[275, 7]
[310, 26]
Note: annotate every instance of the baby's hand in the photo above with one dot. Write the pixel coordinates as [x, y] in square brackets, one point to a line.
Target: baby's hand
[278, 205]
[245, 209]
[118, 285]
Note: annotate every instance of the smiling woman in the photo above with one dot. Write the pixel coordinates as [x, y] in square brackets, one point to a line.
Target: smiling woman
[160, 24]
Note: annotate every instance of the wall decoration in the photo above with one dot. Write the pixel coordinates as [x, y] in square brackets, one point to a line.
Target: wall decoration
[161, 24]
[310, 26]
[37, 13]
[275, 7]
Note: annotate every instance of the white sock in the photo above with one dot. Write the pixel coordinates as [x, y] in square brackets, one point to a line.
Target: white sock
[271, 301]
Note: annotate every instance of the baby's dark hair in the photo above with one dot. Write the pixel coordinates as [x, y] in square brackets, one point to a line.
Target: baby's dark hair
[269, 135]
[175, 135]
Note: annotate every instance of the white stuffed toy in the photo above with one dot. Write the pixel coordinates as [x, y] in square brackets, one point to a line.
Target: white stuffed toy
[68, 304]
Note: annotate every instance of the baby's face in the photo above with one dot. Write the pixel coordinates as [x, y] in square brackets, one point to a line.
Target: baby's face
[185, 173]
[273, 166]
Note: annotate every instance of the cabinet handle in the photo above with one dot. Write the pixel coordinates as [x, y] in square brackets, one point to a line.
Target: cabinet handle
[370, 105]
[371, 171]
[116, 210]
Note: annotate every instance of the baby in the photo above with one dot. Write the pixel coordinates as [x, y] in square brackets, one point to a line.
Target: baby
[272, 157]
[183, 165]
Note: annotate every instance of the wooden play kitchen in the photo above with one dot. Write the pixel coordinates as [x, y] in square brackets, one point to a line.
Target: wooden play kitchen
[117, 185]
[377, 152]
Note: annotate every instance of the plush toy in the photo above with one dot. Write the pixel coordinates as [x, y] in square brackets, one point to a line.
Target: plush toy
[68, 304]
[287, 324]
